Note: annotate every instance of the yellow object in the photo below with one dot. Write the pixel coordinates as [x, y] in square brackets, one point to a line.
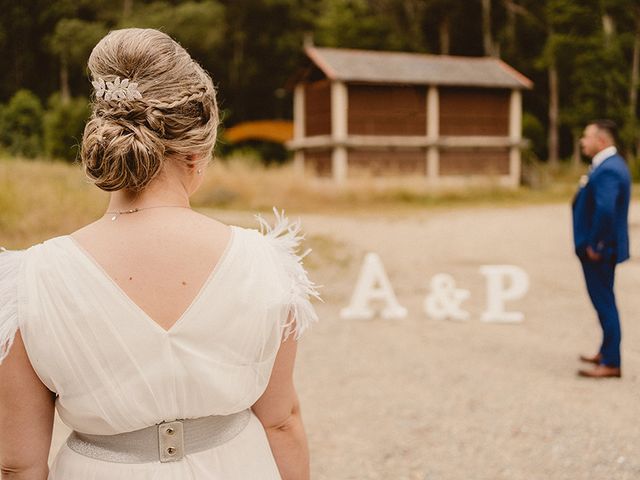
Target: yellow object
[278, 131]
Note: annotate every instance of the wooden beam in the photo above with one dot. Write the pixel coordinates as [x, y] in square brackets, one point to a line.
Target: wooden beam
[298, 127]
[475, 141]
[433, 113]
[298, 163]
[339, 106]
[433, 132]
[318, 141]
[515, 116]
[515, 166]
[400, 141]
[339, 113]
[298, 112]
[339, 165]
[515, 135]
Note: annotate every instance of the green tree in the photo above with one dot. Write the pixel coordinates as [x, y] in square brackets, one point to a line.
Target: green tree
[198, 26]
[262, 50]
[565, 26]
[63, 126]
[623, 20]
[422, 25]
[442, 15]
[22, 124]
[354, 24]
[72, 41]
[598, 83]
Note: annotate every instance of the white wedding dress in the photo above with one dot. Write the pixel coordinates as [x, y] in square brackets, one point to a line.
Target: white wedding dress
[115, 370]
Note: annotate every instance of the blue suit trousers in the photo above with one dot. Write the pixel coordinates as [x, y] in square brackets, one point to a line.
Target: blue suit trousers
[599, 278]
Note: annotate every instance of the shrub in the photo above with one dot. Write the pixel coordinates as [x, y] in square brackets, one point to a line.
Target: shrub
[533, 130]
[63, 126]
[634, 167]
[21, 124]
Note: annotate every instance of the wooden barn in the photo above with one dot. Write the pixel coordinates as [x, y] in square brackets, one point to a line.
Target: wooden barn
[450, 119]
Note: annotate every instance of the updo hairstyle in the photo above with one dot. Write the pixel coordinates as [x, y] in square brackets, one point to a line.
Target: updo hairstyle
[126, 141]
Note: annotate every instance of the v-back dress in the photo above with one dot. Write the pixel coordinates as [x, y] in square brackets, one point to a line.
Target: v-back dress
[115, 370]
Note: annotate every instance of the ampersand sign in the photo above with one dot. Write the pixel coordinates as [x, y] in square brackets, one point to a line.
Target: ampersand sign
[445, 299]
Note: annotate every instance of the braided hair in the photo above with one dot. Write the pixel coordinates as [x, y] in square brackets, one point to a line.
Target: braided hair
[127, 140]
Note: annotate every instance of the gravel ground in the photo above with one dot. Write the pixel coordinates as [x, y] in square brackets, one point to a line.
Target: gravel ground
[425, 399]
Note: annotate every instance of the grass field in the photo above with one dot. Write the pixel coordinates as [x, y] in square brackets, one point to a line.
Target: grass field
[40, 199]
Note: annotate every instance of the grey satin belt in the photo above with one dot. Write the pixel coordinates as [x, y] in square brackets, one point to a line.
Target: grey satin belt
[165, 442]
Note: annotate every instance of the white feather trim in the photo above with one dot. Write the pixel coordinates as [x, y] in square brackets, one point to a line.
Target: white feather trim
[286, 237]
[9, 268]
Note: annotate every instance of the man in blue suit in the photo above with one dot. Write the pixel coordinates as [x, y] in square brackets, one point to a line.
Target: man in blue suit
[601, 237]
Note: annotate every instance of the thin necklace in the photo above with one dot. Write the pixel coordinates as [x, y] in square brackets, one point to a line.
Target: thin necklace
[117, 213]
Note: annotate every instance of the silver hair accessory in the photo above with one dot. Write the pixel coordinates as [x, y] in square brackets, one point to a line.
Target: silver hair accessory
[116, 90]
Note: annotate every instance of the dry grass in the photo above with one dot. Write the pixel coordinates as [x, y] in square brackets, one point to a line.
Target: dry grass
[40, 199]
[244, 184]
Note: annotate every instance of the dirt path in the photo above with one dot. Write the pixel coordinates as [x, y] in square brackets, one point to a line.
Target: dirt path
[437, 400]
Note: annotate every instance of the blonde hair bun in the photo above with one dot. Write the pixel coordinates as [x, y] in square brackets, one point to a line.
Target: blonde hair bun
[127, 140]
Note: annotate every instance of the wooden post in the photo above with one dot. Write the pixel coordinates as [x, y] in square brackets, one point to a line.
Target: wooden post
[515, 136]
[433, 133]
[554, 114]
[298, 126]
[339, 106]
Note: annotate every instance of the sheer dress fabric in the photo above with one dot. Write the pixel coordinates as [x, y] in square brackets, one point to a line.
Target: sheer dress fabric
[115, 370]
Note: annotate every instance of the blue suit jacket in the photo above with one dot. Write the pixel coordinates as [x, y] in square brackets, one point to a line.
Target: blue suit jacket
[600, 211]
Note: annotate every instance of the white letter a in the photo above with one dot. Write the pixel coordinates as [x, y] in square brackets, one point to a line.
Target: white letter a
[373, 284]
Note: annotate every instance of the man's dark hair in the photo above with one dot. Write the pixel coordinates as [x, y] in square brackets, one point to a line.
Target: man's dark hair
[608, 126]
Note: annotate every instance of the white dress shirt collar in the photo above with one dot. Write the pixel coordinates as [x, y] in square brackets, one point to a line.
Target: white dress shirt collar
[602, 155]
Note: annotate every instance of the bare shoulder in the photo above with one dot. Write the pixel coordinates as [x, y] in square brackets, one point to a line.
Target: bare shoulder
[208, 222]
[208, 229]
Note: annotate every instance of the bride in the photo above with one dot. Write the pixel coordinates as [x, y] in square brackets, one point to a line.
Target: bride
[164, 339]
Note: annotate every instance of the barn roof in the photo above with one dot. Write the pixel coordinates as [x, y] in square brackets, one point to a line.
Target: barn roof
[415, 68]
